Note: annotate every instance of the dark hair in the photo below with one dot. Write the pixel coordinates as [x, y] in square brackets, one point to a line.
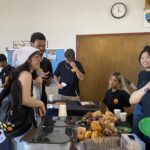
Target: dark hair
[37, 36]
[2, 57]
[117, 75]
[146, 49]
[16, 71]
[70, 54]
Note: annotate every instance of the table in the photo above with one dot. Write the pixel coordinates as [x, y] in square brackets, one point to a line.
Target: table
[53, 133]
[74, 108]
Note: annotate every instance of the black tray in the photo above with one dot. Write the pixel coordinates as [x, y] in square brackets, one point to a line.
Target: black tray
[61, 121]
[47, 135]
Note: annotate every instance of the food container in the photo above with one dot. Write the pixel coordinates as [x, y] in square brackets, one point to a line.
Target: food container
[132, 142]
[101, 143]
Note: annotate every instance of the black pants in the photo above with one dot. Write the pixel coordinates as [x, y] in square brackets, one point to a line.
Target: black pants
[7, 145]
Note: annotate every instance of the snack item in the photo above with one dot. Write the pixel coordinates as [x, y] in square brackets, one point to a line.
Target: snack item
[95, 134]
[99, 124]
[81, 133]
[95, 126]
[109, 113]
[97, 114]
[110, 118]
[87, 134]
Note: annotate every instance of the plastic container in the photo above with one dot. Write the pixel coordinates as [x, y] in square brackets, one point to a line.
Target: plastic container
[101, 143]
[132, 142]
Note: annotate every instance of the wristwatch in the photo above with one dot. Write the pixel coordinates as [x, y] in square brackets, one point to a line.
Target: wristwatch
[146, 90]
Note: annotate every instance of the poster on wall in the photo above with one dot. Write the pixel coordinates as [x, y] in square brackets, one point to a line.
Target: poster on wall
[19, 44]
[51, 54]
[147, 18]
[147, 4]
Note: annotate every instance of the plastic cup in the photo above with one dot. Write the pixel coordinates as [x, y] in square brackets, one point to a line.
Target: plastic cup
[51, 98]
[117, 113]
[62, 111]
[123, 116]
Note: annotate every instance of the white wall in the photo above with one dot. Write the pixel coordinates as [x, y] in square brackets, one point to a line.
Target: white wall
[62, 20]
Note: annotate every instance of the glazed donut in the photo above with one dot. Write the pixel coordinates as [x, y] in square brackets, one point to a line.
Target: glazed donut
[87, 134]
[95, 126]
[109, 113]
[97, 113]
[112, 119]
[81, 133]
[95, 134]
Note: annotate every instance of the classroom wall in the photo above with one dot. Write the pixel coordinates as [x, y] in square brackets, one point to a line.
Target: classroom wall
[62, 20]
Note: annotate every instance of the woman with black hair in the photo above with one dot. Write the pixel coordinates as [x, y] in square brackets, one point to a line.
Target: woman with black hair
[29, 59]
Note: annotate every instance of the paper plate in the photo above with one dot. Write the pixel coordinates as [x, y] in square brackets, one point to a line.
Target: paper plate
[124, 129]
[144, 126]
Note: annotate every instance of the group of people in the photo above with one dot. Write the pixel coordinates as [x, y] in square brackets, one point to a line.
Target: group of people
[32, 69]
[119, 97]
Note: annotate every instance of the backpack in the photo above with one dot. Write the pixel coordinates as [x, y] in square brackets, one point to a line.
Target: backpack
[15, 119]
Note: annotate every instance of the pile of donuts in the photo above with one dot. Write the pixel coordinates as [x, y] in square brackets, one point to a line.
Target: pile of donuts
[98, 124]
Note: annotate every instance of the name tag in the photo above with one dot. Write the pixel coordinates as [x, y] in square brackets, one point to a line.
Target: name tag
[2, 136]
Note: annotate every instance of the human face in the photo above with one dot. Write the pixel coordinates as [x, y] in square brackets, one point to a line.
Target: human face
[3, 64]
[113, 82]
[35, 61]
[40, 44]
[145, 60]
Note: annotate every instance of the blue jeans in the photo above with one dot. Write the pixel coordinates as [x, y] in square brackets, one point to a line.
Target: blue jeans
[138, 115]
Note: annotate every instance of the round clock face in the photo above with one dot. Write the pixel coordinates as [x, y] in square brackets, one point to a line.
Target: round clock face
[118, 10]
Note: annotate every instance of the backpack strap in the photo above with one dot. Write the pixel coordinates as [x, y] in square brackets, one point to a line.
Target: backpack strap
[34, 122]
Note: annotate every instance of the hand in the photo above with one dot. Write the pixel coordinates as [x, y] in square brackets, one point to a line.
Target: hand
[73, 64]
[147, 87]
[60, 86]
[38, 81]
[42, 110]
[44, 75]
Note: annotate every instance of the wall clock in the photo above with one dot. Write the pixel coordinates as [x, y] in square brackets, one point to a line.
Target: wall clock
[118, 10]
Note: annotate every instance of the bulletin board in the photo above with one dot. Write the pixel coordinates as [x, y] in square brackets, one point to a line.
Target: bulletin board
[57, 57]
[55, 60]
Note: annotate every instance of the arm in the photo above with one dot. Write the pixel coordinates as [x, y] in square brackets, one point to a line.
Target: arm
[128, 110]
[59, 86]
[126, 104]
[136, 96]
[38, 82]
[79, 74]
[106, 108]
[104, 103]
[49, 74]
[27, 100]
[6, 81]
[46, 78]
